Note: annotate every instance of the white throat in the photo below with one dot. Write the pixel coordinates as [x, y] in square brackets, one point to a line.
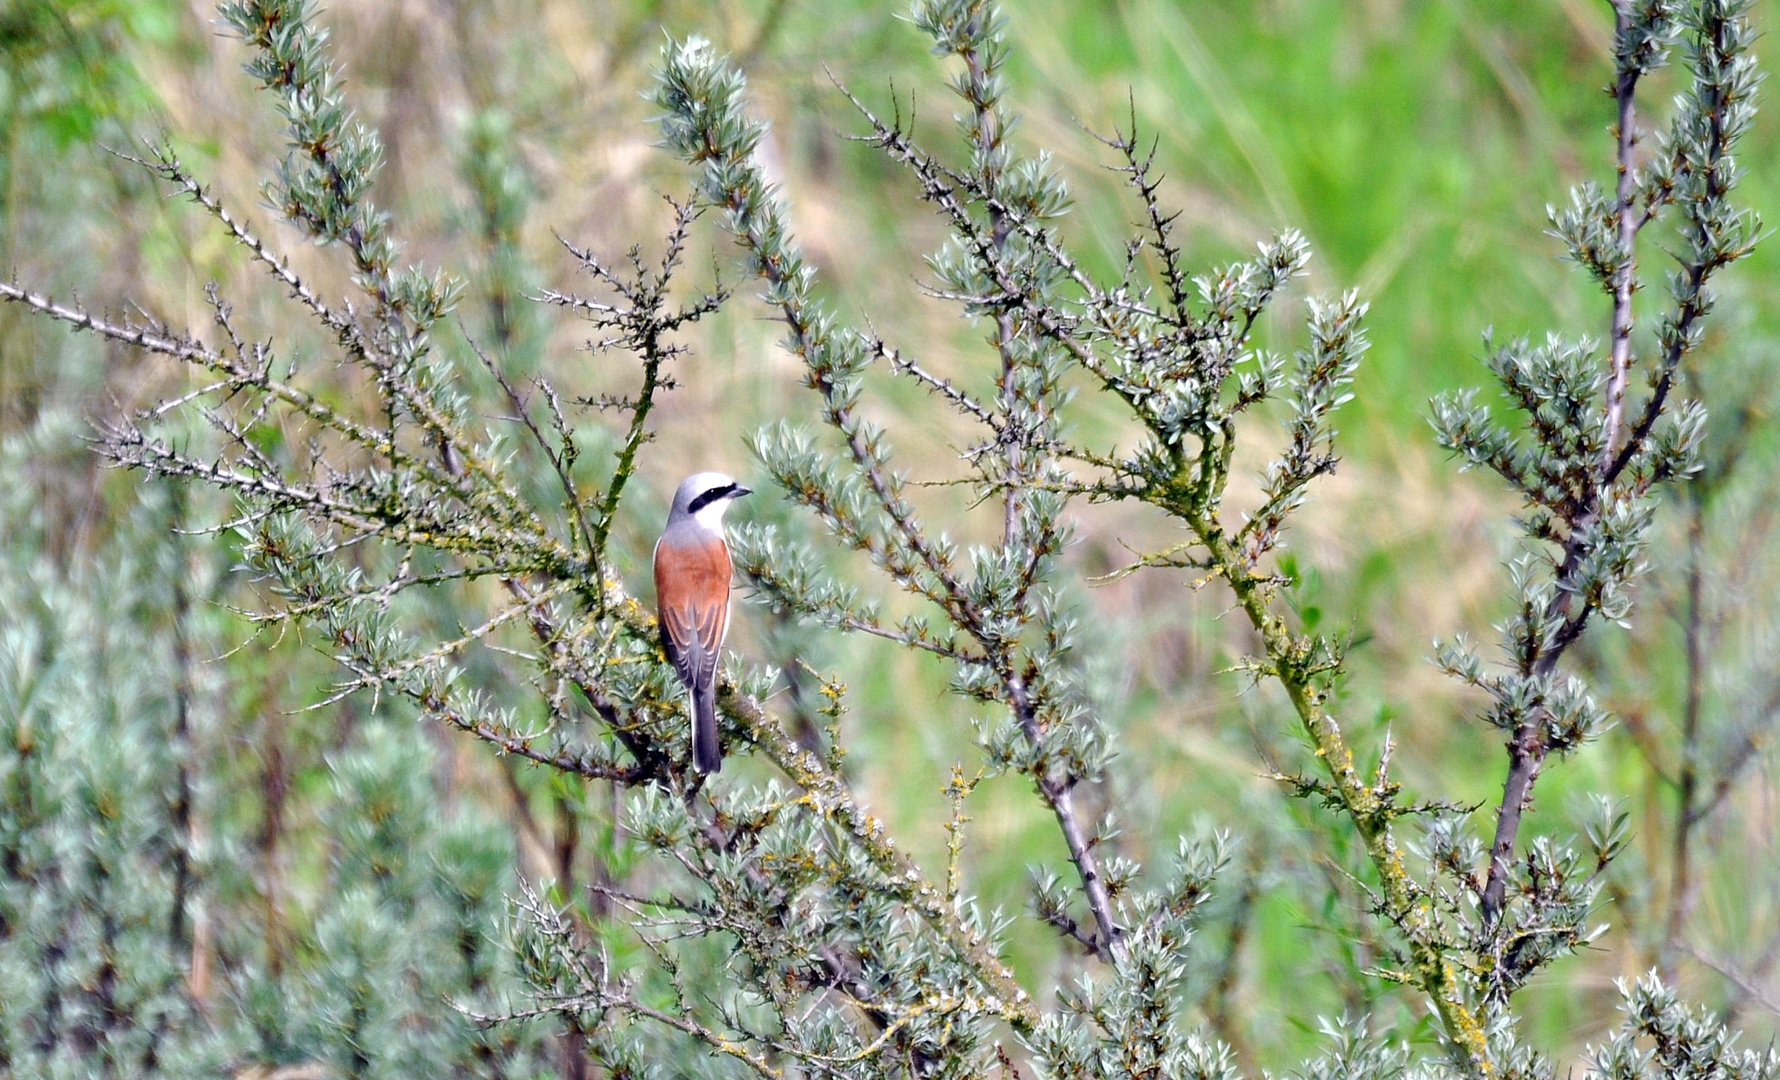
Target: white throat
[710, 516]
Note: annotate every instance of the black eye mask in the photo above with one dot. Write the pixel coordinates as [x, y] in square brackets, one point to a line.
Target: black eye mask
[708, 498]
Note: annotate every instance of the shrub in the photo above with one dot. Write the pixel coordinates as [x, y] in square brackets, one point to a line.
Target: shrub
[774, 924]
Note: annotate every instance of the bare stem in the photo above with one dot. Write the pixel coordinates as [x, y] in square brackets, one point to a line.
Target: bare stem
[1683, 888]
[1366, 806]
[1625, 276]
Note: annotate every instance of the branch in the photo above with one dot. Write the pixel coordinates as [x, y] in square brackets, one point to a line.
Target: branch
[1625, 269]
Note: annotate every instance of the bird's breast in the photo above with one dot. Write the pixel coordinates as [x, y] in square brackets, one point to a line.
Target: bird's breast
[691, 571]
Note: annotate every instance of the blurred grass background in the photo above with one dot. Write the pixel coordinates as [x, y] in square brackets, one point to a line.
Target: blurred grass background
[1415, 142]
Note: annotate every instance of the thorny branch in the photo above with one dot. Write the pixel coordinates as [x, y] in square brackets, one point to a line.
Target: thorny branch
[1699, 176]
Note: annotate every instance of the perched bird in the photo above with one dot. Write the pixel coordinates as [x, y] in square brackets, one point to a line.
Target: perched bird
[692, 571]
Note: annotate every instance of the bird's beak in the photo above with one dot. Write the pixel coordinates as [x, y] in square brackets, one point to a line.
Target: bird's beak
[739, 491]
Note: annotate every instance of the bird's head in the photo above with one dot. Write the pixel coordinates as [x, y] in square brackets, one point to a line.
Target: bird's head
[705, 496]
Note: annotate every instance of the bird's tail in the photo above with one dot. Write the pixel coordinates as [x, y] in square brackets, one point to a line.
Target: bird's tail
[707, 753]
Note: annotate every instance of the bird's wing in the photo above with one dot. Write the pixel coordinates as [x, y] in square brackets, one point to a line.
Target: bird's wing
[692, 594]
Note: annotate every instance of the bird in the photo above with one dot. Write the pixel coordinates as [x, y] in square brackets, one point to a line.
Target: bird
[692, 570]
